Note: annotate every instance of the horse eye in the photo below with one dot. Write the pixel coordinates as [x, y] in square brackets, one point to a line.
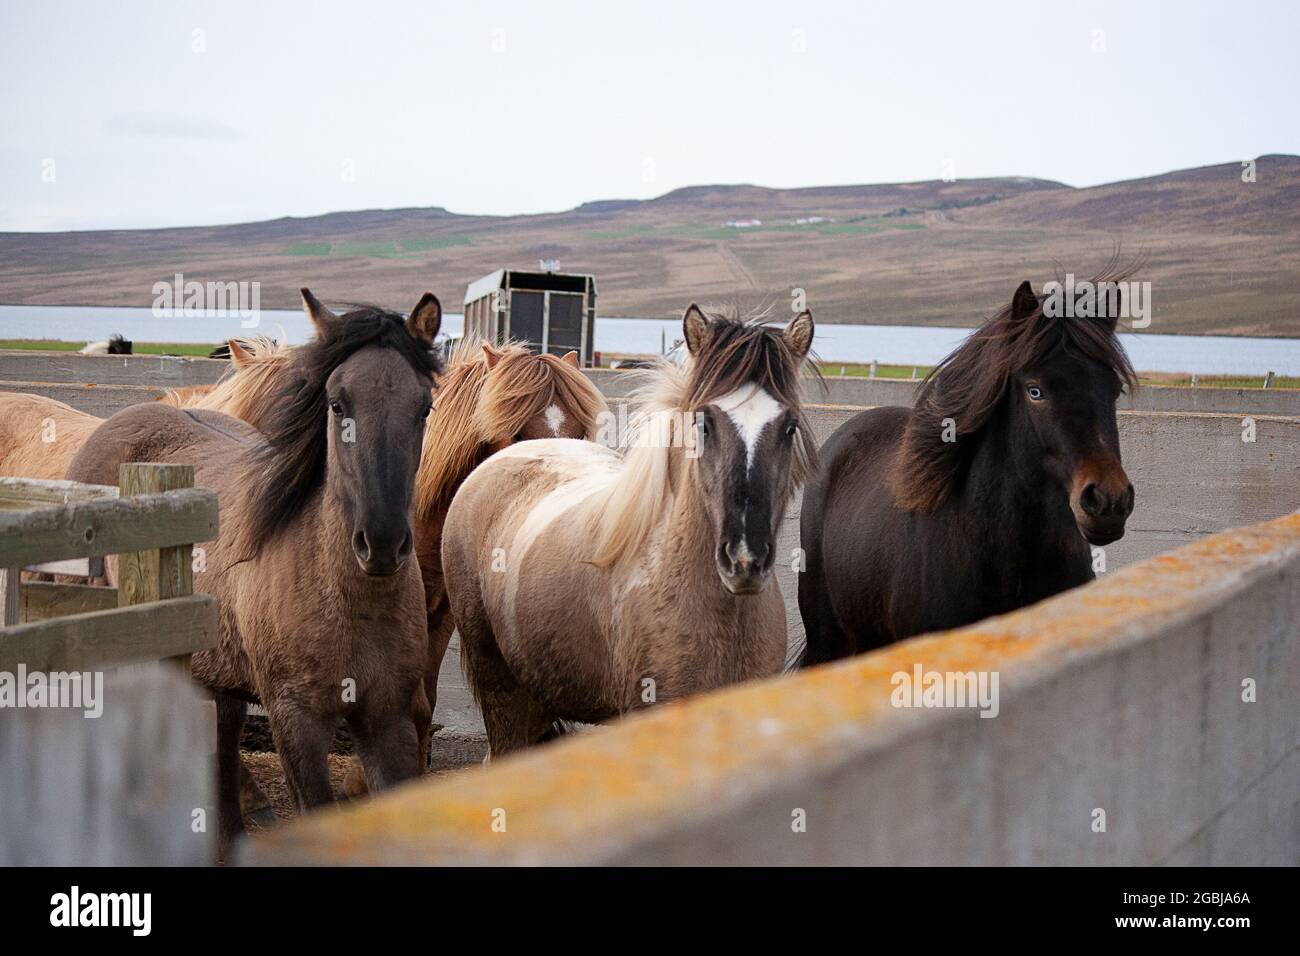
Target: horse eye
[336, 406]
[1035, 393]
[791, 429]
[427, 409]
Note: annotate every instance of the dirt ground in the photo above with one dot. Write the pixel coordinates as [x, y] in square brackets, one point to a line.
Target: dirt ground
[449, 752]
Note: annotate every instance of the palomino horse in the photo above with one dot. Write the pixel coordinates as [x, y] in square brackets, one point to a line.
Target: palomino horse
[39, 436]
[586, 585]
[981, 499]
[322, 613]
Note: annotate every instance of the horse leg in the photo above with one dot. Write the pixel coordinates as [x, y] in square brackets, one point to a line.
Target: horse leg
[510, 714]
[387, 745]
[302, 739]
[230, 724]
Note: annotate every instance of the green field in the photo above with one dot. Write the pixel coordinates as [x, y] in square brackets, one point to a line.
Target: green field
[141, 348]
[398, 249]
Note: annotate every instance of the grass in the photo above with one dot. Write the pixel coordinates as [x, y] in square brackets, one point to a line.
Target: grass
[850, 370]
[377, 249]
[829, 369]
[141, 348]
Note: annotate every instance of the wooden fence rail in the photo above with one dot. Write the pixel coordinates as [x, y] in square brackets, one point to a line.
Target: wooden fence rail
[136, 787]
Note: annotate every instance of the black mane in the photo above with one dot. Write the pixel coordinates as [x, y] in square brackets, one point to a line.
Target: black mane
[290, 467]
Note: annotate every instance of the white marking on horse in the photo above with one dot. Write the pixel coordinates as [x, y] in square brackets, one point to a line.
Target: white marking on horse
[750, 409]
[554, 418]
[589, 469]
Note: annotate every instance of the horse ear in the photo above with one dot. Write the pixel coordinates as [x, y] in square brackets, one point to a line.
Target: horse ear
[696, 326]
[798, 335]
[491, 355]
[1023, 302]
[239, 355]
[425, 319]
[322, 318]
[570, 358]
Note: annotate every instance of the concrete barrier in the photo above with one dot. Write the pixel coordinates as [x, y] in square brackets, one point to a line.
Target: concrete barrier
[1152, 717]
[168, 371]
[164, 371]
[1149, 398]
[98, 400]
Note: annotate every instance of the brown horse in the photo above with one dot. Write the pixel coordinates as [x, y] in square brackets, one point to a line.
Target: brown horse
[586, 585]
[39, 436]
[322, 613]
[983, 498]
[489, 398]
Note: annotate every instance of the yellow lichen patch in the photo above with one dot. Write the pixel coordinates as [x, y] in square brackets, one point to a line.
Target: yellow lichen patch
[690, 760]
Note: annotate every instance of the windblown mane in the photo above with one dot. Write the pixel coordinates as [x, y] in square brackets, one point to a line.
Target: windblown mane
[969, 385]
[244, 391]
[477, 408]
[738, 353]
[290, 466]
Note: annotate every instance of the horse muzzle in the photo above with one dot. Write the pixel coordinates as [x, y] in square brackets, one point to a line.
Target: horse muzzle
[741, 571]
[381, 554]
[1101, 510]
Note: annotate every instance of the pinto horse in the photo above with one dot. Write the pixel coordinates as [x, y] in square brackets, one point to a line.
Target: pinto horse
[586, 585]
[322, 612]
[981, 499]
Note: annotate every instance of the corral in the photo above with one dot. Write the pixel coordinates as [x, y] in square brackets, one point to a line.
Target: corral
[1127, 696]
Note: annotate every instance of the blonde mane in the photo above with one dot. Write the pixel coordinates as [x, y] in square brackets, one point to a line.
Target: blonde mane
[478, 407]
[245, 390]
[737, 353]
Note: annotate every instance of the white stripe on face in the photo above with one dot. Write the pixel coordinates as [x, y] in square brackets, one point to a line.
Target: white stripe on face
[750, 409]
[554, 418]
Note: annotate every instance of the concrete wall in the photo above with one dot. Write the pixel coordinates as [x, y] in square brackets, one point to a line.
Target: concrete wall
[1149, 398]
[173, 372]
[1124, 698]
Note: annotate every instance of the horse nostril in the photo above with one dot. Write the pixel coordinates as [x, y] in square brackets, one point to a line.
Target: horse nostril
[1090, 500]
[405, 548]
[1130, 498]
[361, 546]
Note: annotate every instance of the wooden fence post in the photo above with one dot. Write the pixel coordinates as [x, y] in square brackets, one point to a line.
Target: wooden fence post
[145, 576]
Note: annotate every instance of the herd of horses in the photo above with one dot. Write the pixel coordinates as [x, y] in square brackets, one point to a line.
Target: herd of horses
[373, 499]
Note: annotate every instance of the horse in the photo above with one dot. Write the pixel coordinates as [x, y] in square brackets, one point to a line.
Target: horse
[39, 437]
[246, 390]
[322, 612]
[485, 403]
[489, 398]
[983, 498]
[586, 584]
[113, 345]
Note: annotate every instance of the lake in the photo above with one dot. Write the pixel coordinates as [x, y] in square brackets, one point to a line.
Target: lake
[891, 344]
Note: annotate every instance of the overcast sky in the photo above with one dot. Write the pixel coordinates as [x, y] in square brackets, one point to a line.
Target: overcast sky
[170, 113]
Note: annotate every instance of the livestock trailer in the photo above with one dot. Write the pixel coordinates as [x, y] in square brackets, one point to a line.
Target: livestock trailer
[550, 312]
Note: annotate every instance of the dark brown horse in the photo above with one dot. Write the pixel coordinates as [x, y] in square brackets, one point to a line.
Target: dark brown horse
[981, 499]
[322, 612]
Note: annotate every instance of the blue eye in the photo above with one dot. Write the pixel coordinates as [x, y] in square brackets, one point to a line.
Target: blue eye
[1035, 393]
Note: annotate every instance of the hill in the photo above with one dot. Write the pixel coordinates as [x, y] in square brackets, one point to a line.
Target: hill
[1222, 254]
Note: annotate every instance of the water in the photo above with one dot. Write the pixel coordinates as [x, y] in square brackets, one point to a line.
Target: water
[890, 344]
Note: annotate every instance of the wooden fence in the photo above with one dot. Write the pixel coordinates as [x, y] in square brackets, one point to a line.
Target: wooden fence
[132, 784]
